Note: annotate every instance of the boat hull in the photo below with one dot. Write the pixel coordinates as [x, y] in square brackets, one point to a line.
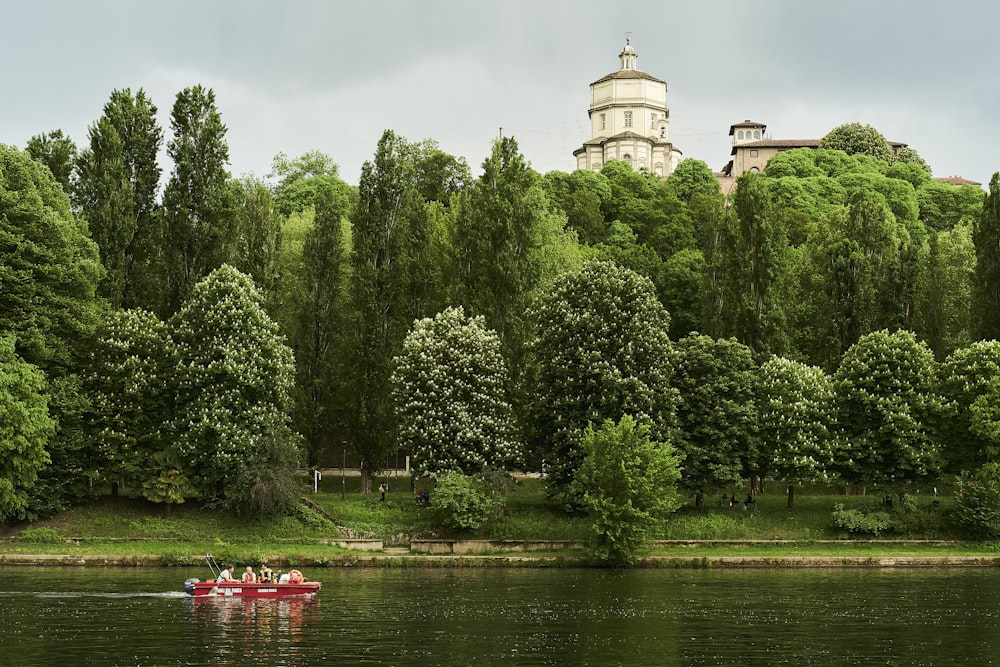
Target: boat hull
[207, 589]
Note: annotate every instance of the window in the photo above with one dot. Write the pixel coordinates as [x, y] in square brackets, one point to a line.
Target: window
[740, 135]
[652, 120]
[756, 134]
[627, 157]
[753, 152]
[603, 121]
[754, 170]
[628, 119]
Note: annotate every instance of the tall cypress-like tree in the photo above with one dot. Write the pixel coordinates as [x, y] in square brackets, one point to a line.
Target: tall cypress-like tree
[198, 200]
[390, 214]
[986, 285]
[57, 152]
[319, 337]
[117, 178]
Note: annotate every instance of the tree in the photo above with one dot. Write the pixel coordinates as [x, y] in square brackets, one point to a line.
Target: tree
[969, 384]
[259, 233]
[628, 484]
[198, 201]
[986, 285]
[888, 409]
[318, 337]
[25, 429]
[168, 484]
[301, 179]
[49, 270]
[504, 231]
[389, 217]
[944, 206]
[449, 387]
[855, 138]
[231, 384]
[125, 383]
[755, 267]
[714, 380]
[794, 413]
[944, 290]
[57, 152]
[48, 267]
[602, 352]
[977, 501]
[693, 177]
[117, 178]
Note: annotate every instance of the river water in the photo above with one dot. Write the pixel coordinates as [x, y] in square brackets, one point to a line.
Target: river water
[100, 616]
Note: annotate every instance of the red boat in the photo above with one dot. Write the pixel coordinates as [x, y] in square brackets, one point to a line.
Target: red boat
[236, 589]
[215, 588]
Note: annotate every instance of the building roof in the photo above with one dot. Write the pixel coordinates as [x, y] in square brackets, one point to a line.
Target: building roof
[628, 74]
[746, 123]
[957, 180]
[786, 144]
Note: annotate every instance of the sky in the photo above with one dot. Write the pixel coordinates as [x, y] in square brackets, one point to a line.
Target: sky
[293, 76]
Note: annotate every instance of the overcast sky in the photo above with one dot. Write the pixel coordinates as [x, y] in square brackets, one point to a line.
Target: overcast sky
[298, 75]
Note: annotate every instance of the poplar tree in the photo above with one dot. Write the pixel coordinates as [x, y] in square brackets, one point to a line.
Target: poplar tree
[117, 178]
[986, 285]
[198, 200]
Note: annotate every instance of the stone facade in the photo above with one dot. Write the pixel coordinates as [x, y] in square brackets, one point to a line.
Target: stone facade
[629, 121]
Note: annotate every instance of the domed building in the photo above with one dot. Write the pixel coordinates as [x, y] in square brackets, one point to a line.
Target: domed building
[629, 121]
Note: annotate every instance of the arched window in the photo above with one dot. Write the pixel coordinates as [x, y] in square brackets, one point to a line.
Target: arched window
[756, 134]
[740, 135]
[754, 170]
[627, 157]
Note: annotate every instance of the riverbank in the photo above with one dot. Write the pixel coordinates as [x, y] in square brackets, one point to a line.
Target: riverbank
[341, 527]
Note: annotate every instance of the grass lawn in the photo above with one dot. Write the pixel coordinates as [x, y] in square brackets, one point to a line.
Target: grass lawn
[125, 525]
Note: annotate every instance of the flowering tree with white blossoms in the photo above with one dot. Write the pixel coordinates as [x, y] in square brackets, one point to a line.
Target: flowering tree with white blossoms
[232, 384]
[794, 405]
[888, 409]
[602, 352]
[125, 380]
[449, 389]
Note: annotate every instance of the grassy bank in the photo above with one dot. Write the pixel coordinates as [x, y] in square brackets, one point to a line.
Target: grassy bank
[124, 528]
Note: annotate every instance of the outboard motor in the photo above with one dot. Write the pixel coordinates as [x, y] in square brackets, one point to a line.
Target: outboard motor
[189, 585]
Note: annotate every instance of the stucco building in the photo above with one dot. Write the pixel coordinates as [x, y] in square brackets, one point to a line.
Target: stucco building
[629, 120]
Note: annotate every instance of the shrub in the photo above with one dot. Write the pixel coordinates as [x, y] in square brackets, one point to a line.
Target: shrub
[977, 501]
[40, 536]
[464, 502]
[860, 521]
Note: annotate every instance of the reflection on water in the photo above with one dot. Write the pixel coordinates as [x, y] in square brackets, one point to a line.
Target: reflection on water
[690, 618]
[251, 628]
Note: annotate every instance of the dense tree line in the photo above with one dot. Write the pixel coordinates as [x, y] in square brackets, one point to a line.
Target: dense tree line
[825, 319]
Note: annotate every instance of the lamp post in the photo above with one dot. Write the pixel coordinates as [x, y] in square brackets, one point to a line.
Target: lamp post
[343, 481]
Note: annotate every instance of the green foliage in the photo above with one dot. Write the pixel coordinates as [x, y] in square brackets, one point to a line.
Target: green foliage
[855, 138]
[795, 406]
[41, 535]
[602, 352]
[944, 290]
[986, 284]
[168, 483]
[889, 408]
[125, 381]
[970, 382]
[977, 505]
[258, 244]
[628, 484]
[48, 266]
[463, 502]
[115, 192]
[715, 412]
[266, 482]
[25, 429]
[232, 383]
[449, 386]
[693, 177]
[861, 522]
[57, 152]
[943, 206]
[198, 201]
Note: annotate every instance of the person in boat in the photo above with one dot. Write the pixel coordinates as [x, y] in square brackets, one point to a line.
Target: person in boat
[295, 577]
[225, 576]
[266, 574]
[283, 578]
[249, 577]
